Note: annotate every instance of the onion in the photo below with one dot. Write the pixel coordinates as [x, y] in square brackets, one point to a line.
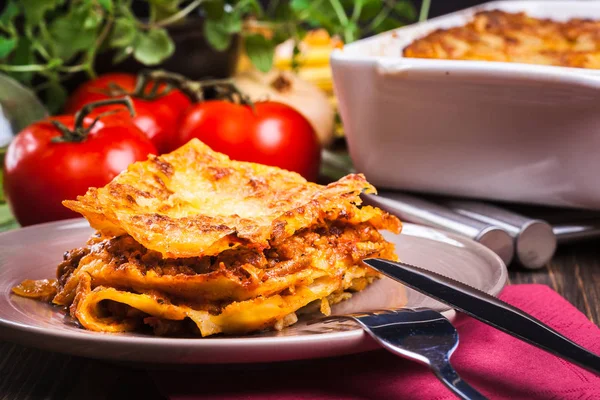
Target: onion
[286, 87]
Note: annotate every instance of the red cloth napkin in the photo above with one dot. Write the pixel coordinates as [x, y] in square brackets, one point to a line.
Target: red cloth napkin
[497, 364]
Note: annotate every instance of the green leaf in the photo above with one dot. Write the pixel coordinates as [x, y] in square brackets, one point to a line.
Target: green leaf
[317, 13]
[234, 26]
[283, 11]
[11, 10]
[260, 51]
[7, 45]
[325, 22]
[7, 221]
[106, 4]
[55, 96]
[153, 47]
[231, 22]
[300, 5]
[69, 38]
[22, 55]
[216, 35]
[75, 31]
[248, 6]
[387, 25]
[370, 9]
[405, 10]
[36, 9]
[214, 9]
[92, 21]
[122, 54]
[323, 16]
[326, 9]
[123, 33]
[301, 33]
[161, 9]
[280, 35]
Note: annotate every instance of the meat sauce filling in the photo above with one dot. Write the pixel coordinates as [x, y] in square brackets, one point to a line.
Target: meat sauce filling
[333, 241]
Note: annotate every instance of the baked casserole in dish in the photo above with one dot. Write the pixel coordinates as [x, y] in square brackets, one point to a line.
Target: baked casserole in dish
[496, 35]
[500, 101]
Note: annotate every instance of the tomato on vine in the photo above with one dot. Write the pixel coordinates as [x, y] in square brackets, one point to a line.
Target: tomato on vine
[268, 133]
[265, 132]
[61, 157]
[158, 106]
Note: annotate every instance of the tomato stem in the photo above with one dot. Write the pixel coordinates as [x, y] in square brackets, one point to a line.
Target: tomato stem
[145, 79]
[145, 88]
[88, 108]
[79, 132]
[196, 90]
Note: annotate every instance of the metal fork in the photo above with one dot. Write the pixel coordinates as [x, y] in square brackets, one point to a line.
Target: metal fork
[422, 335]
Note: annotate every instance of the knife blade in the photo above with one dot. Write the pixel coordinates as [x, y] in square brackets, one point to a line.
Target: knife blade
[487, 309]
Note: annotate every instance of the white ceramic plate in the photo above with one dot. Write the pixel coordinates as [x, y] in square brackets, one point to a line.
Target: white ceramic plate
[34, 252]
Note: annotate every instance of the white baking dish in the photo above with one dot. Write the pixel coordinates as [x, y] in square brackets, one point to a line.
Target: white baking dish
[491, 130]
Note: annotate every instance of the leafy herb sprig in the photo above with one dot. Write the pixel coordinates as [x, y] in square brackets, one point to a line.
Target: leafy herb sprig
[52, 39]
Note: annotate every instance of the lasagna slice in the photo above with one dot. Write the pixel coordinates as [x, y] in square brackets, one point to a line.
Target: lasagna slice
[192, 242]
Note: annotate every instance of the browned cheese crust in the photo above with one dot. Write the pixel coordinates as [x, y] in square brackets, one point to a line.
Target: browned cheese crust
[194, 202]
[514, 37]
[192, 242]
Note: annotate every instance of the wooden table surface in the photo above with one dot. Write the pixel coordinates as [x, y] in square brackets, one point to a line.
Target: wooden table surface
[27, 373]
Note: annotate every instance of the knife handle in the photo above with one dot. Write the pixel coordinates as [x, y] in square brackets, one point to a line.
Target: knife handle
[417, 210]
[535, 243]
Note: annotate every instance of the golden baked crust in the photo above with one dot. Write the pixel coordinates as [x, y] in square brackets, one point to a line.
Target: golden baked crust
[193, 242]
[514, 37]
[195, 202]
[238, 291]
[234, 275]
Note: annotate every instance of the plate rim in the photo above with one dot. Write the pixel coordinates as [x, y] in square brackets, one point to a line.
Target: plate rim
[229, 342]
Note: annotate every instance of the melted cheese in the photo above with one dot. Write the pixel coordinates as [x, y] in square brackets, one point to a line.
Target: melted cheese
[514, 37]
[237, 317]
[195, 202]
[230, 247]
[233, 275]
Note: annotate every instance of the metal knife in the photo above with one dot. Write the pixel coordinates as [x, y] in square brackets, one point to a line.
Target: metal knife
[488, 309]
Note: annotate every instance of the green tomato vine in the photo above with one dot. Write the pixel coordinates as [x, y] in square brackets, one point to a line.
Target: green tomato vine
[44, 42]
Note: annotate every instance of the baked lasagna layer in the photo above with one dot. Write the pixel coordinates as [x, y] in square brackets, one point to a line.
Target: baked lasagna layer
[117, 285]
[195, 201]
[514, 37]
[192, 242]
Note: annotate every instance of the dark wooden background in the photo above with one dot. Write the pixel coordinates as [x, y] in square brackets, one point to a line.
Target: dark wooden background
[574, 272]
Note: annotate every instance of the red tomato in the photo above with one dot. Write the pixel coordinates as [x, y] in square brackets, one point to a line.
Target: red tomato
[272, 134]
[156, 118]
[40, 174]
